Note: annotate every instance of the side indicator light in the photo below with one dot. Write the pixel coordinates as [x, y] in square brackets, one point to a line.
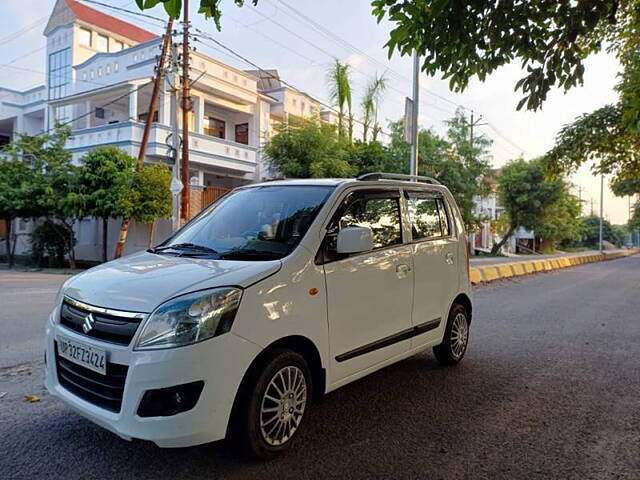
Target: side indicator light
[313, 291]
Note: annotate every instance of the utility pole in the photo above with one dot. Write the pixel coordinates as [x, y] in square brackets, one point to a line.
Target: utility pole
[580, 198]
[186, 109]
[474, 123]
[601, 207]
[413, 161]
[176, 184]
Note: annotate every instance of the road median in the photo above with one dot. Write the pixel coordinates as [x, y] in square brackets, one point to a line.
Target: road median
[498, 271]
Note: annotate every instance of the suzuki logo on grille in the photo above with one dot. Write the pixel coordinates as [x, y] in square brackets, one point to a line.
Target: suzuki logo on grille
[89, 321]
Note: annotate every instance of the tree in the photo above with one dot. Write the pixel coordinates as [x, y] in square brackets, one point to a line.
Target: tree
[14, 196]
[149, 196]
[561, 221]
[549, 38]
[526, 194]
[338, 78]
[370, 102]
[610, 135]
[208, 8]
[105, 175]
[591, 232]
[51, 189]
[310, 148]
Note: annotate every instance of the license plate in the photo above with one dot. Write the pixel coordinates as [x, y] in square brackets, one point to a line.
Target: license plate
[82, 354]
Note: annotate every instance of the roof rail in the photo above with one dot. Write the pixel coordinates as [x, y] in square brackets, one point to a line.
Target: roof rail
[397, 176]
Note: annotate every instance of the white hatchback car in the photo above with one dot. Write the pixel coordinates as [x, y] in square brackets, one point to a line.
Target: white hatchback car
[273, 296]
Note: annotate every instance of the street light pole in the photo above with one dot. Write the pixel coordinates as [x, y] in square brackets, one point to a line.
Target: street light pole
[413, 161]
[601, 208]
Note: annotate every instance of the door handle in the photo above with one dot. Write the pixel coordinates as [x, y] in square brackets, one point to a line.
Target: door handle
[448, 258]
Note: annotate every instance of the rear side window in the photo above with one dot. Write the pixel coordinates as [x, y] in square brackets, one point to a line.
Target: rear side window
[429, 217]
[381, 214]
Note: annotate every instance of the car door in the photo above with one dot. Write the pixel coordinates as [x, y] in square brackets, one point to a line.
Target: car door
[369, 294]
[435, 258]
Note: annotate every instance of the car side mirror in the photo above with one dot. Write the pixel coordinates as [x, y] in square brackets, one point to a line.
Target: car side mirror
[354, 240]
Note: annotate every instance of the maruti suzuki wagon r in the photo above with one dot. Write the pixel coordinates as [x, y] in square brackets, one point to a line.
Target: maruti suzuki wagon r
[272, 296]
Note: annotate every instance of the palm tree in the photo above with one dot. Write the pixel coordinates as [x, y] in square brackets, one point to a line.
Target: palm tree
[340, 93]
[370, 102]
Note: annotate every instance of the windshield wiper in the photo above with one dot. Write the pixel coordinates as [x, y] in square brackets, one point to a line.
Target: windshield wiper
[250, 253]
[184, 246]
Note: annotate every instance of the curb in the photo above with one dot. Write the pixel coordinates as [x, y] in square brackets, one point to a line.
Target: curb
[490, 273]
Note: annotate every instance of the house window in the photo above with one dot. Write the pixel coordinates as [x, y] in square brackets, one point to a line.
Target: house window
[59, 73]
[117, 46]
[143, 116]
[242, 133]
[99, 112]
[102, 43]
[85, 37]
[214, 127]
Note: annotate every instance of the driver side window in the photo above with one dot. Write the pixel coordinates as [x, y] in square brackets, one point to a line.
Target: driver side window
[380, 214]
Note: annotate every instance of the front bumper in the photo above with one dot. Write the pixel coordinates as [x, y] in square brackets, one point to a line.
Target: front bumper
[221, 362]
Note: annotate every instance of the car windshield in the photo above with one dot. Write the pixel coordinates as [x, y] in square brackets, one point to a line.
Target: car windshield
[258, 223]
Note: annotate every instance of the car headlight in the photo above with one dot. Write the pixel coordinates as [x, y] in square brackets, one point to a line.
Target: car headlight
[190, 318]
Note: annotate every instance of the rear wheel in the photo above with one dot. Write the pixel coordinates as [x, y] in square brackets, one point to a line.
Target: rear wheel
[456, 337]
[274, 405]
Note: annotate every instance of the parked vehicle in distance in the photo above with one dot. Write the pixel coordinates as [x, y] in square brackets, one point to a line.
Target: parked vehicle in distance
[274, 295]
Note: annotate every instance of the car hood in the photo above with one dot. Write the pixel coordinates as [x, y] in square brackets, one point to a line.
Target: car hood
[141, 282]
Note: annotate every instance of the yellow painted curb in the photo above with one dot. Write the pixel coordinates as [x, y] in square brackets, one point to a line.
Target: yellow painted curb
[518, 269]
[474, 275]
[505, 270]
[490, 273]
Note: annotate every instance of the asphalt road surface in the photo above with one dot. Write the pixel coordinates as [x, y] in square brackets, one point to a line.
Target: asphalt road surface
[550, 388]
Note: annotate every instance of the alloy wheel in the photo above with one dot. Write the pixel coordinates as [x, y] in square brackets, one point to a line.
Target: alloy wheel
[459, 335]
[283, 405]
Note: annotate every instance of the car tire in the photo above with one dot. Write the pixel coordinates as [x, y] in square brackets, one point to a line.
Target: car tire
[275, 402]
[456, 337]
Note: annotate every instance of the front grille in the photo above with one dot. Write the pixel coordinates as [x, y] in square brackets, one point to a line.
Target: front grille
[108, 327]
[102, 390]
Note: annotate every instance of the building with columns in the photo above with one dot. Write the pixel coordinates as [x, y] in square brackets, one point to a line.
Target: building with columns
[98, 79]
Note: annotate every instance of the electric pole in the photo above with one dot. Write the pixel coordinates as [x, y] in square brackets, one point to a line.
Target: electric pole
[472, 124]
[176, 184]
[413, 161]
[186, 109]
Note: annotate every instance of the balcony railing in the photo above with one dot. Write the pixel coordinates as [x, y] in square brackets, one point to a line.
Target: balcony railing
[203, 149]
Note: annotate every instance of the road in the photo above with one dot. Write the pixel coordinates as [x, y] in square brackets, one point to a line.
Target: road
[550, 388]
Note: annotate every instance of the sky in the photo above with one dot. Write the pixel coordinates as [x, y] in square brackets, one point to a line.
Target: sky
[272, 35]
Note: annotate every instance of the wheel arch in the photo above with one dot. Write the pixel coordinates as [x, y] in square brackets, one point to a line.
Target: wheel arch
[464, 300]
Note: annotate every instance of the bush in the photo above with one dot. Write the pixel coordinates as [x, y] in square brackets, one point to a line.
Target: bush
[48, 241]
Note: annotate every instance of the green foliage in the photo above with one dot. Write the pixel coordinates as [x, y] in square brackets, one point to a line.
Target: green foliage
[623, 187]
[463, 40]
[561, 221]
[609, 136]
[105, 175]
[339, 81]
[529, 197]
[208, 8]
[310, 148]
[610, 233]
[48, 240]
[148, 196]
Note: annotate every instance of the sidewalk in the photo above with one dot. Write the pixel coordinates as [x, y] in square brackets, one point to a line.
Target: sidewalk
[487, 270]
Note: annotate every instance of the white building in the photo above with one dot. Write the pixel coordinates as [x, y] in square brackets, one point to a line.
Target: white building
[99, 70]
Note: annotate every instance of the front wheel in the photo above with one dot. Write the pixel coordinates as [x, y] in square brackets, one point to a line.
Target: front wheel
[456, 337]
[275, 405]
